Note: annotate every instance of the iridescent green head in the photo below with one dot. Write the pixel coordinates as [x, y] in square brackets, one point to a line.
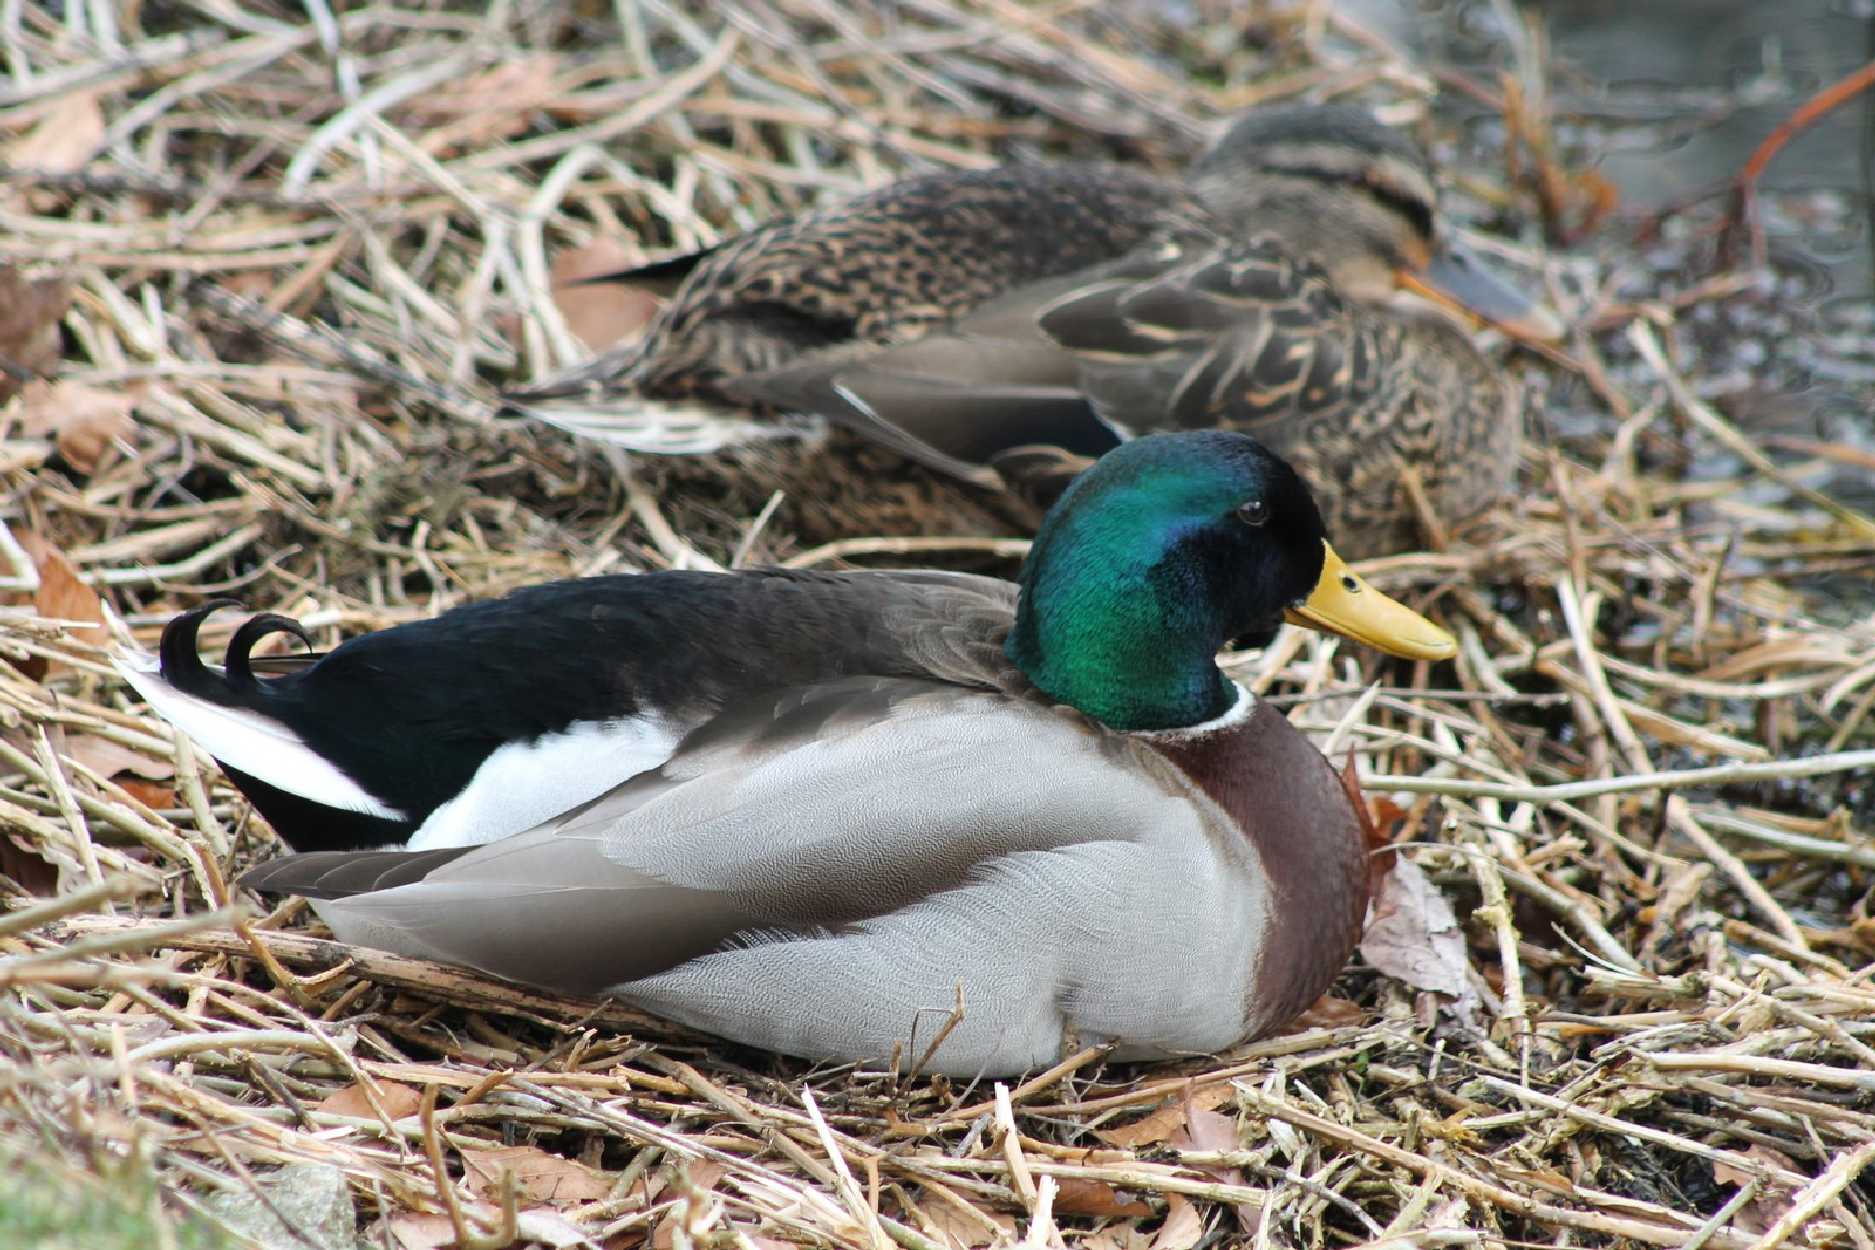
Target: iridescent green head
[1168, 548]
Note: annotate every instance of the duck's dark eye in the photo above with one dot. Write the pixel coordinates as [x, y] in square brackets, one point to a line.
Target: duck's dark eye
[1253, 512]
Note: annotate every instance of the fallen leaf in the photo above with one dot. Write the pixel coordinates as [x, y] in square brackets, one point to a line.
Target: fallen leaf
[1215, 1132]
[1376, 825]
[84, 420]
[1414, 937]
[255, 284]
[1159, 1127]
[30, 311]
[1076, 1196]
[539, 1176]
[959, 1230]
[148, 793]
[107, 758]
[1206, 1130]
[1763, 1210]
[492, 105]
[399, 1100]
[65, 137]
[693, 1181]
[433, 1232]
[61, 595]
[1453, 1128]
[28, 869]
[506, 325]
[600, 314]
[1183, 1227]
[420, 1232]
[1329, 1012]
[549, 1228]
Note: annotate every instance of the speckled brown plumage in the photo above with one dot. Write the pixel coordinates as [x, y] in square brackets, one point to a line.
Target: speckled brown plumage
[1252, 338]
[1002, 326]
[881, 268]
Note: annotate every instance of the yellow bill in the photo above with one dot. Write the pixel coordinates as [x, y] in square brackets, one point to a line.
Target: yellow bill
[1342, 603]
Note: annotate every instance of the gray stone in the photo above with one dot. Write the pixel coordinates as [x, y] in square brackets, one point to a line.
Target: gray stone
[313, 1198]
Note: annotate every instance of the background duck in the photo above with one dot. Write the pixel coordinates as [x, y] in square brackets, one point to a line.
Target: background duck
[841, 789]
[1286, 286]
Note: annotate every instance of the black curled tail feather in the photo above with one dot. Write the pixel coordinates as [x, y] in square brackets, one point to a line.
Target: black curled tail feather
[179, 652]
[241, 646]
[180, 658]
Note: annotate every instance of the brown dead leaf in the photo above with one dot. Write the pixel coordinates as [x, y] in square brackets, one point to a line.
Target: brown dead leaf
[1076, 1196]
[1378, 821]
[148, 793]
[64, 138]
[1762, 1211]
[1205, 1129]
[547, 1227]
[597, 259]
[1414, 937]
[960, 1231]
[1329, 1012]
[84, 420]
[540, 1227]
[30, 311]
[1213, 1132]
[694, 1180]
[600, 314]
[1183, 1227]
[28, 869]
[492, 105]
[255, 284]
[1387, 823]
[62, 596]
[399, 1100]
[420, 1232]
[539, 1176]
[107, 758]
[1159, 1127]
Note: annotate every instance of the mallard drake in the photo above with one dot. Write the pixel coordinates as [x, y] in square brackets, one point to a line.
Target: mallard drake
[797, 809]
[1293, 285]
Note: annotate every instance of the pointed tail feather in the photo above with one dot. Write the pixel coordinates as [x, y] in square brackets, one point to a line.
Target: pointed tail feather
[225, 712]
[652, 426]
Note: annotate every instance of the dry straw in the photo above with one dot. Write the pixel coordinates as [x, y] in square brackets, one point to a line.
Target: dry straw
[305, 247]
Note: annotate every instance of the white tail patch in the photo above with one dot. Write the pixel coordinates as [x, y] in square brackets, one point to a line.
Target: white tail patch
[653, 426]
[524, 784]
[250, 742]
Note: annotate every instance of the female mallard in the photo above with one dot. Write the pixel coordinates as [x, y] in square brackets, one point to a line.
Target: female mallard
[1282, 289]
[800, 809]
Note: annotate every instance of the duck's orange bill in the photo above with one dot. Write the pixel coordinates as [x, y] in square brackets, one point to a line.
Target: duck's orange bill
[1342, 603]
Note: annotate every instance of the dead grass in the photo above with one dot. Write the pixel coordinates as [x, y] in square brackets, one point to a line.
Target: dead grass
[304, 252]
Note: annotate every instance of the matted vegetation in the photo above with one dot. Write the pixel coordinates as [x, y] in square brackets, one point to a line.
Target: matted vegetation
[304, 249]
